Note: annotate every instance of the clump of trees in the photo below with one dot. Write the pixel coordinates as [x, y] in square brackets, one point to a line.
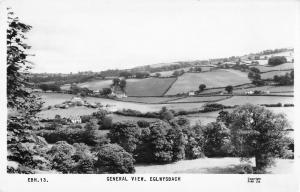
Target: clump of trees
[229, 88]
[277, 60]
[254, 75]
[287, 79]
[50, 87]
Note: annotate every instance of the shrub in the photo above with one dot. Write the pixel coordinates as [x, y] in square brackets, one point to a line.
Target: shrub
[106, 123]
[75, 135]
[112, 158]
[143, 123]
[61, 156]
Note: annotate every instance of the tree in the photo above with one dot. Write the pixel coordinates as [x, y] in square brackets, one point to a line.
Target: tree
[123, 84]
[126, 134]
[116, 82]
[157, 74]
[176, 73]
[216, 140]
[258, 132]
[202, 87]
[23, 146]
[277, 60]
[229, 89]
[112, 158]
[125, 74]
[106, 91]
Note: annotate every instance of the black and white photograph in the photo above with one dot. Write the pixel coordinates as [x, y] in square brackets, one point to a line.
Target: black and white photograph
[161, 87]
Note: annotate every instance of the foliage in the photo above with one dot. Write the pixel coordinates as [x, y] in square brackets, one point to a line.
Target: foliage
[51, 87]
[23, 146]
[126, 134]
[202, 87]
[257, 131]
[75, 135]
[166, 114]
[277, 60]
[229, 89]
[216, 140]
[143, 123]
[61, 155]
[106, 123]
[287, 79]
[114, 159]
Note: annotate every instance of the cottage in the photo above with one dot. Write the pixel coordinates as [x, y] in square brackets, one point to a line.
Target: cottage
[75, 119]
[249, 92]
[191, 93]
[118, 92]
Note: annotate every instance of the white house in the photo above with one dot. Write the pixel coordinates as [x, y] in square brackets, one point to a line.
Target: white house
[191, 93]
[118, 92]
[75, 119]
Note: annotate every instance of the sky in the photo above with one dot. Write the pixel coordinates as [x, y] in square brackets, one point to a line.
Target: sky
[83, 35]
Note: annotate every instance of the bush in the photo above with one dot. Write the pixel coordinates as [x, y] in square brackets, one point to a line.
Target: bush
[112, 158]
[106, 123]
[61, 156]
[246, 169]
[143, 123]
[75, 135]
[277, 60]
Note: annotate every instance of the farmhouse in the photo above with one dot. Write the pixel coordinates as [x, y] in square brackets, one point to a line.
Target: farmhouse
[77, 101]
[75, 119]
[191, 93]
[118, 92]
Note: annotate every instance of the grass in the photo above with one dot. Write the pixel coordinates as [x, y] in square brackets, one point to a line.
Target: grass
[272, 89]
[149, 86]
[285, 66]
[119, 118]
[73, 111]
[240, 100]
[270, 75]
[150, 100]
[226, 165]
[218, 78]
[199, 99]
[96, 84]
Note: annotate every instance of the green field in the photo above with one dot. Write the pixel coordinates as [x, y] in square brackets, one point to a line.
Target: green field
[285, 66]
[150, 100]
[96, 85]
[170, 73]
[270, 75]
[73, 111]
[271, 89]
[199, 99]
[218, 78]
[257, 100]
[149, 86]
[227, 165]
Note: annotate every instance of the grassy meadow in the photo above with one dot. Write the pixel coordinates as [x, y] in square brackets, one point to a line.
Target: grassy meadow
[218, 78]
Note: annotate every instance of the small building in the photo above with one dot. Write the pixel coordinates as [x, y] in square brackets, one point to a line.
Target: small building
[249, 92]
[75, 119]
[191, 93]
[37, 90]
[118, 92]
